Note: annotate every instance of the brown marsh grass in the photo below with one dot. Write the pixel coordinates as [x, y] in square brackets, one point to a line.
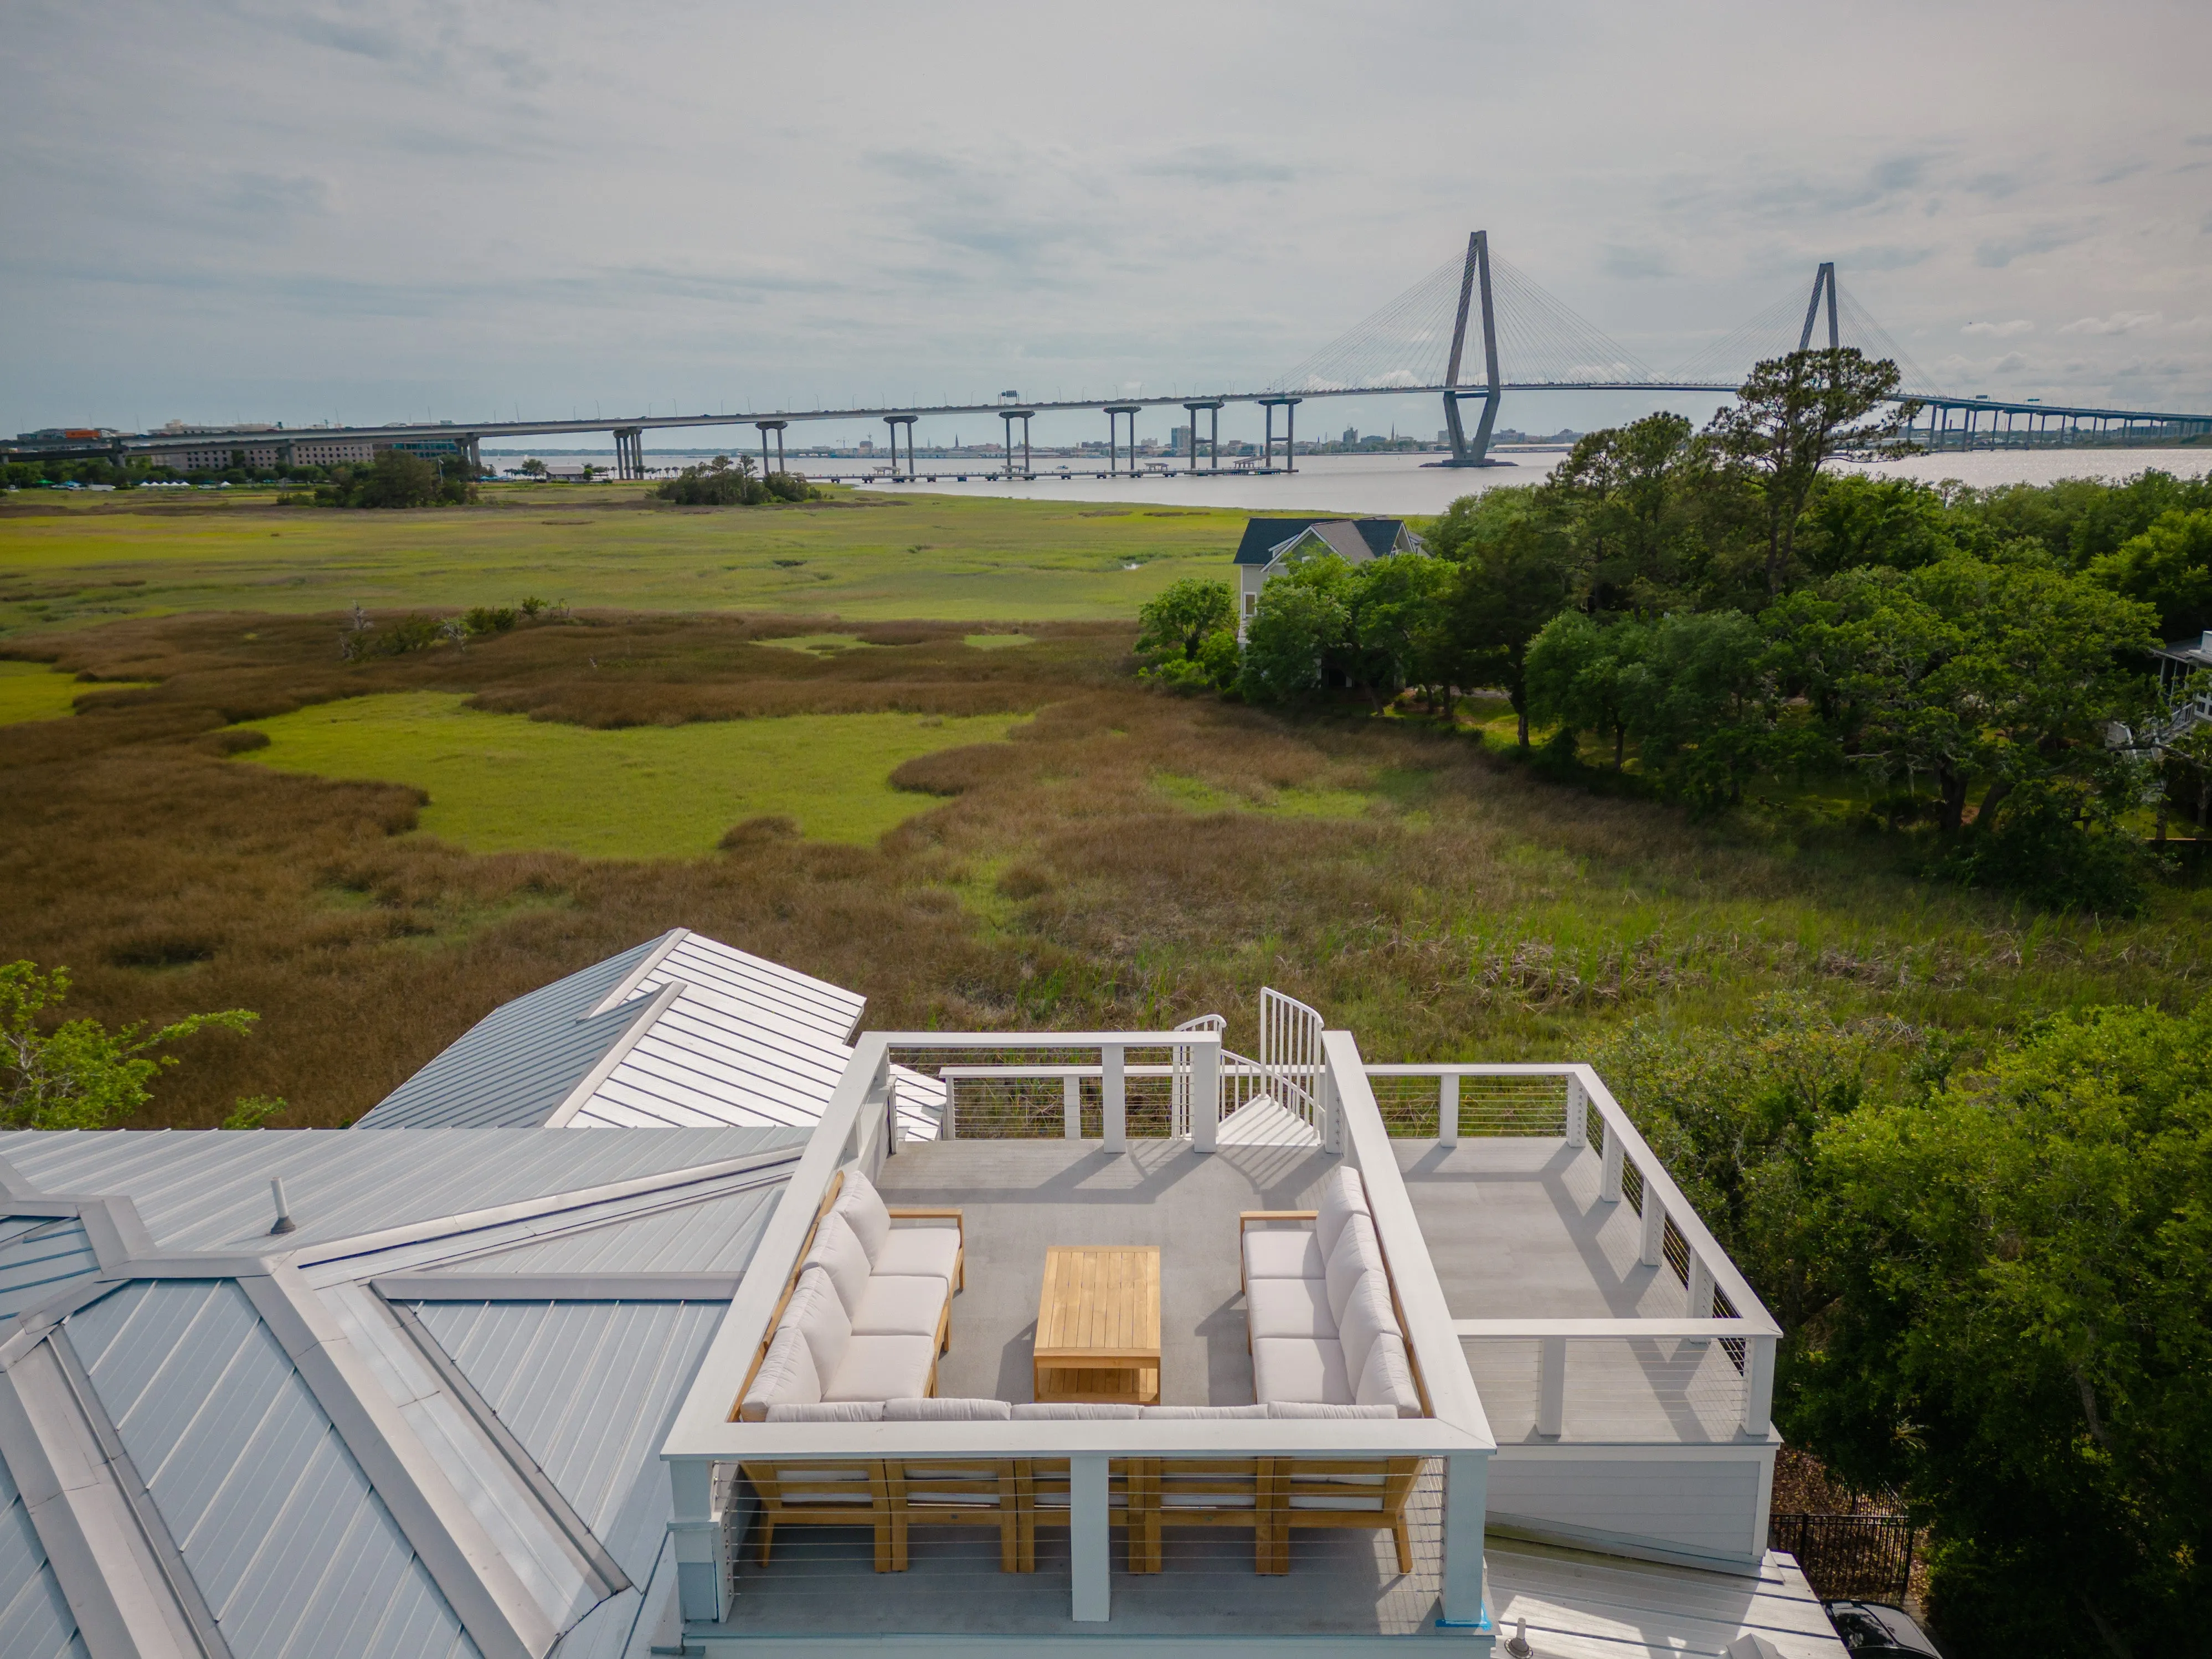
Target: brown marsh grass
[1127, 856]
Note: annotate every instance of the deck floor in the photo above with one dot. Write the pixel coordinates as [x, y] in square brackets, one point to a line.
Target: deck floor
[1516, 1230]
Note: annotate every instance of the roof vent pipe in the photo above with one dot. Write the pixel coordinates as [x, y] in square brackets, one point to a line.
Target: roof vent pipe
[284, 1222]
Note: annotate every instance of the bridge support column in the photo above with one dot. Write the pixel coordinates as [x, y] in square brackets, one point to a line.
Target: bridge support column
[1113, 413]
[1474, 280]
[1009, 416]
[1212, 406]
[894, 422]
[630, 452]
[765, 428]
[1288, 405]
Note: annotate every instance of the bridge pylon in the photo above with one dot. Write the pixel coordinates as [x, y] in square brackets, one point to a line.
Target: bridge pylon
[1823, 279]
[1475, 278]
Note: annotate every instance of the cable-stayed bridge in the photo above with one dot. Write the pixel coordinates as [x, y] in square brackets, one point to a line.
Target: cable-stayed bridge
[1470, 331]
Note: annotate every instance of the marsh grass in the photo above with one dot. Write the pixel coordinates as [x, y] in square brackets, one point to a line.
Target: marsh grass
[1449, 904]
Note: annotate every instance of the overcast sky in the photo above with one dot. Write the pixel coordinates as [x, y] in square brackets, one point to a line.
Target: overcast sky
[298, 211]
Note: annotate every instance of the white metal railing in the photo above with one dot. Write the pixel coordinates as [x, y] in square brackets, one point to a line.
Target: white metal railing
[1726, 1336]
[1291, 1061]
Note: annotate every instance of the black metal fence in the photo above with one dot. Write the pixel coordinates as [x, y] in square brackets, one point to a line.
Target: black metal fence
[1860, 1558]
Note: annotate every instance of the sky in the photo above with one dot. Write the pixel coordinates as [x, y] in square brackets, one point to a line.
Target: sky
[300, 211]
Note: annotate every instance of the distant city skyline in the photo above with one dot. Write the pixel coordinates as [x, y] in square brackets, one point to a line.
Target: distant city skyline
[368, 213]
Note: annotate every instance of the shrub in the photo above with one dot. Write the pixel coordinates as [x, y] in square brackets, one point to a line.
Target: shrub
[2057, 846]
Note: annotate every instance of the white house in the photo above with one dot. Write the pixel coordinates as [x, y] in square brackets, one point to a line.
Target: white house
[1270, 546]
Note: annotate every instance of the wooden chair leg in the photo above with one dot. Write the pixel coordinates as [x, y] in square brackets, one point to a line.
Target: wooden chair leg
[767, 1533]
[1404, 1537]
[886, 1550]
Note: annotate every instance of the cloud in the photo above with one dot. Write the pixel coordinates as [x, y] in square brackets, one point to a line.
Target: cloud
[1216, 164]
[1996, 186]
[2199, 140]
[2002, 331]
[1996, 255]
[1635, 263]
[2120, 322]
[2011, 363]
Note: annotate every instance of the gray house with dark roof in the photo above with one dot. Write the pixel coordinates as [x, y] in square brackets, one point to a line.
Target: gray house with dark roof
[1270, 546]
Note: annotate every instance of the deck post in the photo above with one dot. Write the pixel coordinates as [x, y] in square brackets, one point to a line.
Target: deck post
[1205, 1096]
[1090, 1563]
[1448, 1109]
[1552, 1386]
[702, 1573]
[1466, 1479]
[1608, 1179]
[1758, 1385]
[1113, 1103]
[1655, 1228]
[1697, 1294]
[1071, 1105]
[1577, 1113]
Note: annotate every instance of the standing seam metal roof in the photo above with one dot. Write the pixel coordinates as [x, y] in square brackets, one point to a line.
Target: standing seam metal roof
[35, 1621]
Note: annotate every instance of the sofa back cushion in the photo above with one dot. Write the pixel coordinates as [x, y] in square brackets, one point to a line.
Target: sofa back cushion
[836, 1411]
[1387, 1379]
[819, 1316]
[1367, 1315]
[838, 1253]
[1184, 1413]
[862, 1207]
[947, 1410]
[787, 1376]
[1054, 1410]
[1341, 1196]
[1357, 1253]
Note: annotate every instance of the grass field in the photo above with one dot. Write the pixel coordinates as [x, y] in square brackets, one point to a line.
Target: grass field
[503, 783]
[69, 561]
[32, 691]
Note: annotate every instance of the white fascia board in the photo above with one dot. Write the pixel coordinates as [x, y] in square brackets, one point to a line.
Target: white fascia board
[1626, 1327]
[702, 1427]
[638, 976]
[116, 1590]
[1742, 1449]
[1430, 1327]
[1293, 1436]
[499, 1614]
[648, 1012]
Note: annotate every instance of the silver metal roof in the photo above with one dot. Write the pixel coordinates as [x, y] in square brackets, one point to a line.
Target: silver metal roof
[206, 1189]
[295, 1554]
[514, 1067]
[717, 1235]
[38, 1254]
[35, 1621]
[589, 1388]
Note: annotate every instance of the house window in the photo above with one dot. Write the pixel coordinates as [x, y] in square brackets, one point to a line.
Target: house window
[1251, 603]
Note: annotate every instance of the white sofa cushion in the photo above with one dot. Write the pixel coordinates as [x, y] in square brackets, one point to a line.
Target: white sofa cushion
[786, 1375]
[952, 1409]
[1387, 1379]
[1367, 1315]
[1281, 1251]
[1072, 1410]
[817, 1315]
[920, 1250]
[1342, 1195]
[822, 1411]
[896, 1305]
[1179, 1412]
[1357, 1255]
[882, 1368]
[1288, 1307]
[1292, 1408]
[1295, 1370]
[837, 1250]
[861, 1206]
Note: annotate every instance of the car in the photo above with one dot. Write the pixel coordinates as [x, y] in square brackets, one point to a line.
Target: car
[1871, 1631]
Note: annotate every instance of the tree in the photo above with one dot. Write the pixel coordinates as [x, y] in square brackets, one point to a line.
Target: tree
[1792, 416]
[1396, 626]
[533, 468]
[2169, 568]
[1579, 675]
[1300, 629]
[2023, 1329]
[1515, 572]
[1176, 623]
[80, 1075]
[1624, 489]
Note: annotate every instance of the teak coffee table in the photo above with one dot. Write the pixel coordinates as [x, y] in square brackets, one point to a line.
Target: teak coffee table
[1098, 1325]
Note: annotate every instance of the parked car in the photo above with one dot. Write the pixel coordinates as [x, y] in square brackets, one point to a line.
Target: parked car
[1871, 1631]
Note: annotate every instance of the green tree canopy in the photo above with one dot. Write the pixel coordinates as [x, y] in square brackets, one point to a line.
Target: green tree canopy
[80, 1075]
[1184, 617]
[2168, 567]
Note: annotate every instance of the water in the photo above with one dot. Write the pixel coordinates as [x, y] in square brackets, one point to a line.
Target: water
[1401, 485]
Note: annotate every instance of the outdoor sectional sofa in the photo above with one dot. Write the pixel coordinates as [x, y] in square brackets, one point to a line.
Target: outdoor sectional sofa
[868, 1313]
[1319, 1314]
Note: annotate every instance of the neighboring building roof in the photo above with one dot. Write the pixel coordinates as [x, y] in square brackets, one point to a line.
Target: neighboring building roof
[683, 1032]
[1265, 539]
[352, 1439]
[2193, 653]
